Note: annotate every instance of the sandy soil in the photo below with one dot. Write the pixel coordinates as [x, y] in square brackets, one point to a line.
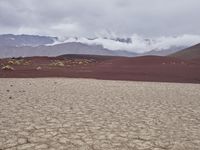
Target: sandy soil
[82, 114]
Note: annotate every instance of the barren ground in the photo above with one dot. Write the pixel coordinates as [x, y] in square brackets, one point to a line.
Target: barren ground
[147, 68]
[82, 114]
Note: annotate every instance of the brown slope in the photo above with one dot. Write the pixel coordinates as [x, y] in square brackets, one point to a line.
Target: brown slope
[188, 53]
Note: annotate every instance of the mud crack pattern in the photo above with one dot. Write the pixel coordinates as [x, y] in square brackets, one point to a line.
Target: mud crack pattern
[82, 114]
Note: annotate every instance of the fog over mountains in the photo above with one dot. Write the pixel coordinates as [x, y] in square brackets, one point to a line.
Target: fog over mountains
[139, 44]
[35, 45]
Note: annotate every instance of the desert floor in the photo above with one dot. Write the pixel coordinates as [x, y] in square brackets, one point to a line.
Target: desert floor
[84, 114]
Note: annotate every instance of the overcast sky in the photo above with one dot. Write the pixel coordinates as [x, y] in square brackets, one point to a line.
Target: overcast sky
[91, 18]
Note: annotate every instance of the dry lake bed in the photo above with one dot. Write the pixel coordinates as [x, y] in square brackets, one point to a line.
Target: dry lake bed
[84, 114]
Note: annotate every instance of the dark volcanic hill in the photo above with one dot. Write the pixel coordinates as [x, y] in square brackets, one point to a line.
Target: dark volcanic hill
[188, 53]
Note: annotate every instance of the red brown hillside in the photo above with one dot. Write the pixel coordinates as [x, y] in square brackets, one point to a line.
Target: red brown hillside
[191, 53]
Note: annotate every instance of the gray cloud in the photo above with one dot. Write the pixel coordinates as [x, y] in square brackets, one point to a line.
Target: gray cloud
[149, 18]
[139, 44]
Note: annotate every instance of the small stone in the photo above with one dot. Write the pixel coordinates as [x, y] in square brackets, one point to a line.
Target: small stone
[39, 68]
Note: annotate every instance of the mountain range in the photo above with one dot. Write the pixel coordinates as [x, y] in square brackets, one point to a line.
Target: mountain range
[25, 40]
[34, 45]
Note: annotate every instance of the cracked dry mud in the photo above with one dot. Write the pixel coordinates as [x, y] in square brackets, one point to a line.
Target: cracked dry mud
[83, 114]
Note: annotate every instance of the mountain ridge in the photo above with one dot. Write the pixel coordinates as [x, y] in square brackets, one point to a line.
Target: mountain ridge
[192, 52]
[60, 49]
[25, 40]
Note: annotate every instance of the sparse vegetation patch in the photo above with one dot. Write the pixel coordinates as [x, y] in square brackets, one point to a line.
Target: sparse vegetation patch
[17, 61]
[8, 68]
[57, 63]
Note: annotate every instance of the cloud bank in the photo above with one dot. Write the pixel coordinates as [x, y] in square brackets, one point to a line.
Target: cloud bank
[138, 43]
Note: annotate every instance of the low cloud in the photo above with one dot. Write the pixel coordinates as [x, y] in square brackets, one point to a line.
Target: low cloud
[138, 43]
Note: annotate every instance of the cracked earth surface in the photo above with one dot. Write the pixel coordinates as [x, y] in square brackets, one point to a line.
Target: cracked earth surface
[83, 114]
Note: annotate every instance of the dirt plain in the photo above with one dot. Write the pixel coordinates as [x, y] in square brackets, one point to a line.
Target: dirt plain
[87, 114]
[147, 68]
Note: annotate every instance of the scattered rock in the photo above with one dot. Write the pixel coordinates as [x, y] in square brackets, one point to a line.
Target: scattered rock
[80, 63]
[39, 68]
